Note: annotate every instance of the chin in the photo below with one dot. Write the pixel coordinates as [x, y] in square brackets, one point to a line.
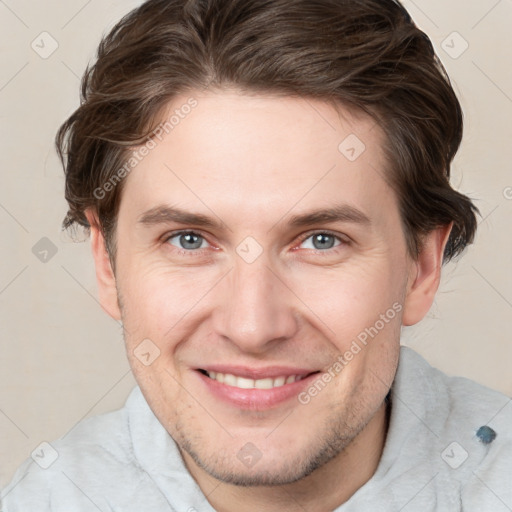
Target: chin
[264, 469]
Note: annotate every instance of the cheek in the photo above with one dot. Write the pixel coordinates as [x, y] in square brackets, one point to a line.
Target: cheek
[351, 298]
[157, 300]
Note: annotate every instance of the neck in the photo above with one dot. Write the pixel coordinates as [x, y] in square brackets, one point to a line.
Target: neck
[324, 490]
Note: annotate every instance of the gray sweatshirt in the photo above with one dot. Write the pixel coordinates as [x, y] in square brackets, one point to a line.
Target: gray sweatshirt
[448, 448]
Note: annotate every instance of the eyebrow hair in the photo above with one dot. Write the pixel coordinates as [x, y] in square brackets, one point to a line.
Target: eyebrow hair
[165, 214]
[339, 213]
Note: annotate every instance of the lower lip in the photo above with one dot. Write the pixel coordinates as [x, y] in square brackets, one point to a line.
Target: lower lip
[255, 399]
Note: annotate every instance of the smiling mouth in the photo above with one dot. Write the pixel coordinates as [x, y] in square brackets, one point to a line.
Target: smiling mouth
[244, 383]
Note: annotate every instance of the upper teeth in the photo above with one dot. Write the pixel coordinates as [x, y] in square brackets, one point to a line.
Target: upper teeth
[242, 382]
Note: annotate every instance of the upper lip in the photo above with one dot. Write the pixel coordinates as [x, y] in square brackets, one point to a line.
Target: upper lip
[258, 373]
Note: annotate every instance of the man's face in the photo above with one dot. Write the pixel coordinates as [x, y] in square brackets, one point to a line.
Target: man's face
[258, 301]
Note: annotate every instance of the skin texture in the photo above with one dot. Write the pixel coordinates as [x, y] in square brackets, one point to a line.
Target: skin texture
[252, 162]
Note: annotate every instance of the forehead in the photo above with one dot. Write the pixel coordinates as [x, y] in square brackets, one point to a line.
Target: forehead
[233, 152]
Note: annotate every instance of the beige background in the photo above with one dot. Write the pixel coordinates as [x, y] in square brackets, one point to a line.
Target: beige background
[62, 358]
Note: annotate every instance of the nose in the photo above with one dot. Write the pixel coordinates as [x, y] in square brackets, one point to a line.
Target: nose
[255, 308]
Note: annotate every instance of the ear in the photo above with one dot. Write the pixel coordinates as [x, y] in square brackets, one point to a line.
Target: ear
[104, 273]
[425, 276]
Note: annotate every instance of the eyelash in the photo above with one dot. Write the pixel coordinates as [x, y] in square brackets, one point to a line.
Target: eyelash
[303, 238]
[343, 241]
[184, 252]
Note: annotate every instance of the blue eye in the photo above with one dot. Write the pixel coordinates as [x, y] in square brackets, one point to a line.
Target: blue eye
[187, 240]
[322, 240]
[190, 241]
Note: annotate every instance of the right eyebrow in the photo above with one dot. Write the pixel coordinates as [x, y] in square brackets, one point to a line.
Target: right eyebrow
[164, 214]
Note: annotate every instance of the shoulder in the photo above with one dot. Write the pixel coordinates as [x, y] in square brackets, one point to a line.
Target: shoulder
[452, 405]
[57, 472]
[459, 397]
[470, 433]
[486, 414]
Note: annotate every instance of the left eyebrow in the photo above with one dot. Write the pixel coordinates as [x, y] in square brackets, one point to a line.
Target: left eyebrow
[338, 213]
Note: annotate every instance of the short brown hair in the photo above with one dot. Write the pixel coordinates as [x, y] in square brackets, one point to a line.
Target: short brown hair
[366, 54]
